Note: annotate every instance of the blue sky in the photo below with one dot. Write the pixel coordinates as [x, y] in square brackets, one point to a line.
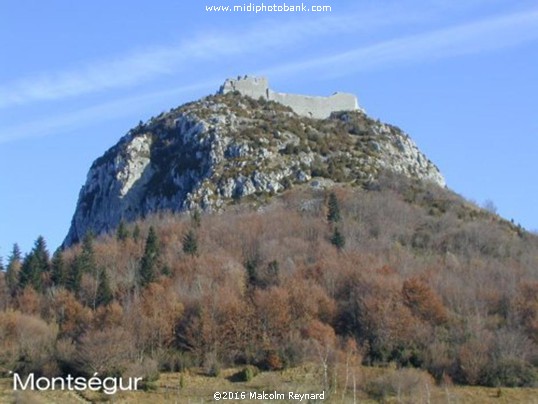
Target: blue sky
[461, 77]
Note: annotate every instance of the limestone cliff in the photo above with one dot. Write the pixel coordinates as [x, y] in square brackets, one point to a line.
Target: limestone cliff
[229, 146]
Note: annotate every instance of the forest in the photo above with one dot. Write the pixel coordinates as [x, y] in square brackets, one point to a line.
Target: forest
[403, 274]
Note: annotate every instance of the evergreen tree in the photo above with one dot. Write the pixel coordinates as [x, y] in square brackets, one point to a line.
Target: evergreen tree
[28, 275]
[35, 266]
[83, 263]
[104, 292]
[59, 271]
[251, 266]
[16, 254]
[74, 277]
[148, 265]
[1, 264]
[86, 259]
[166, 271]
[13, 269]
[42, 255]
[190, 243]
[333, 215]
[122, 233]
[338, 239]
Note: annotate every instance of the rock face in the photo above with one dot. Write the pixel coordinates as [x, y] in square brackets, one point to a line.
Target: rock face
[229, 146]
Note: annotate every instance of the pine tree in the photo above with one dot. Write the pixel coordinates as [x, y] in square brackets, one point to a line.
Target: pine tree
[148, 265]
[75, 276]
[16, 254]
[86, 259]
[122, 233]
[104, 292]
[29, 274]
[83, 263]
[35, 265]
[333, 215]
[190, 243]
[13, 268]
[42, 255]
[251, 266]
[338, 239]
[59, 274]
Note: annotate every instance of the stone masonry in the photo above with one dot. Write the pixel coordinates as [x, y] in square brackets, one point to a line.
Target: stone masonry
[309, 106]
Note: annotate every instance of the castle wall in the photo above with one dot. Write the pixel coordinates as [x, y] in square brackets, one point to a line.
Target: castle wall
[316, 107]
[312, 107]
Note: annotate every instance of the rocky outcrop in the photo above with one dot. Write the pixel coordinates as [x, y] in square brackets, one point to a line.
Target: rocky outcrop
[227, 147]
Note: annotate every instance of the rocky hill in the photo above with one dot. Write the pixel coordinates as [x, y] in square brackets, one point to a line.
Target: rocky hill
[345, 251]
[225, 147]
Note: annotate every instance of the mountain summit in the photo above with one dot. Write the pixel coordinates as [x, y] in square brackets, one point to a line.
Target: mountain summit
[246, 140]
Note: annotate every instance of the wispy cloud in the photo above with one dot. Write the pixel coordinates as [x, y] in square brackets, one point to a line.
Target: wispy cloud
[97, 113]
[99, 76]
[144, 65]
[471, 38]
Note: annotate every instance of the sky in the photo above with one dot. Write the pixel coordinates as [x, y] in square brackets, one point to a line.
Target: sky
[460, 77]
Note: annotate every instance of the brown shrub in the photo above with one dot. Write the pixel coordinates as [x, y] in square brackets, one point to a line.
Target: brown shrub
[473, 359]
[272, 313]
[29, 301]
[26, 342]
[71, 316]
[108, 352]
[526, 307]
[424, 302]
[411, 385]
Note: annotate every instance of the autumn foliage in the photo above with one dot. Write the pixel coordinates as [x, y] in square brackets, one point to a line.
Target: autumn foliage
[424, 280]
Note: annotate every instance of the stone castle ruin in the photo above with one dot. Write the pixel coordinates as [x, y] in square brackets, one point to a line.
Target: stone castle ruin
[309, 106]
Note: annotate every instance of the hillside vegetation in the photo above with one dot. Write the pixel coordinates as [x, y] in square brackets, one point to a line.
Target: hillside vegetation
[401, 274]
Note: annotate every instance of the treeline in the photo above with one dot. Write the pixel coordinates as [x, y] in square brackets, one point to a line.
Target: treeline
[402, 273]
